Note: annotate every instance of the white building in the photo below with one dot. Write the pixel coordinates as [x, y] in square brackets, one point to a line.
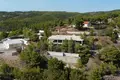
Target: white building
[40, 34]
[14, 43]
[58, 39]
[119, 35]
[86, 24]
[78, 32]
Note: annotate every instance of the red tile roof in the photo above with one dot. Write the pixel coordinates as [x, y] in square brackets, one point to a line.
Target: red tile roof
[86, 22]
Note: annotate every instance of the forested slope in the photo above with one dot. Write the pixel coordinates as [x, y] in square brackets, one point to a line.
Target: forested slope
[15, 20]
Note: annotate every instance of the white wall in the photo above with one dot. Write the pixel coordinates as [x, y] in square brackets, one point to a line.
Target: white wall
[65, 57]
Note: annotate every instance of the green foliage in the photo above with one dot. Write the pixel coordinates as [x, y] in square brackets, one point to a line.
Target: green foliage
[28, 33]
[71, 46]
[110, 54]
[92, 32]
[64, 46]
[84, 54]
[3, 35]
[32, 19]
[43, 45]
[69, 21]
[51, 46]
[56, 68]
[104, 69]
[31, 57]
[96, 75]
[15, 33]
[17, 73]
[31, 74]
[79, 24]
[77, 75]
[114, 36]
[61, 23]
[5, 69]
[78, 48]
[47, 32]
[6, 72]
[79, 63]
[55, 64]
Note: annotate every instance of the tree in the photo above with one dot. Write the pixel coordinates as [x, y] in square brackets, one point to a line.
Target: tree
[47, 31]
[5, 69]
[33, 36]
[84, 54]
[56, 68]
[77, 47]
[77, 75]
[61, 23]
[50, 47]
[43, 45]
[102, 70]
[92, 32]
[55, 64]
[114, 36]
[15, 33]
[71, 46]
[3, 35]
[31, 57]
[31, 74]
[110, 54]
[64, 46]
[28, 33]
[79, 24]
[96, 75]
[70, 20]
[6, 72]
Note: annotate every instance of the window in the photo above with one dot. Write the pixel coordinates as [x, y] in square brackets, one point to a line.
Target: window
[78, 42]
[59, 41]
[55, 41]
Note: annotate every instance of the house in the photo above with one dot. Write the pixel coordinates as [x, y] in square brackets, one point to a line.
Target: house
[69, 31]
[15, 43]
[40, 34]
[78, 32]
[119, 35]
[86, 24]
[12, 44]
[58, 39]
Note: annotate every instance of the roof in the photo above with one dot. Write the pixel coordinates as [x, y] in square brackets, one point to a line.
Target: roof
[41, 31]
[14, 41]
[86, 22]
[63, 54]
[67, 37]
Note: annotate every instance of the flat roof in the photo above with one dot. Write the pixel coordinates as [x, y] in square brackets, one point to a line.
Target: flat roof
[14, 41]
[67, 37]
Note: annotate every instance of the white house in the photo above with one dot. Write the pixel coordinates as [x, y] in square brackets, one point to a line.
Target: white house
[14, 43]
[86, 24]
[119, 35]
[40, 34]
[78, 32]
[58, 39]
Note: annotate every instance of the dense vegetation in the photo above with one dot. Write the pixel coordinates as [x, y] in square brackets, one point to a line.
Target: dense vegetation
[18, 20]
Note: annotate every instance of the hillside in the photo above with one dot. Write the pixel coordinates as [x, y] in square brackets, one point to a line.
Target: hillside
[15, 20]
[38, 19]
